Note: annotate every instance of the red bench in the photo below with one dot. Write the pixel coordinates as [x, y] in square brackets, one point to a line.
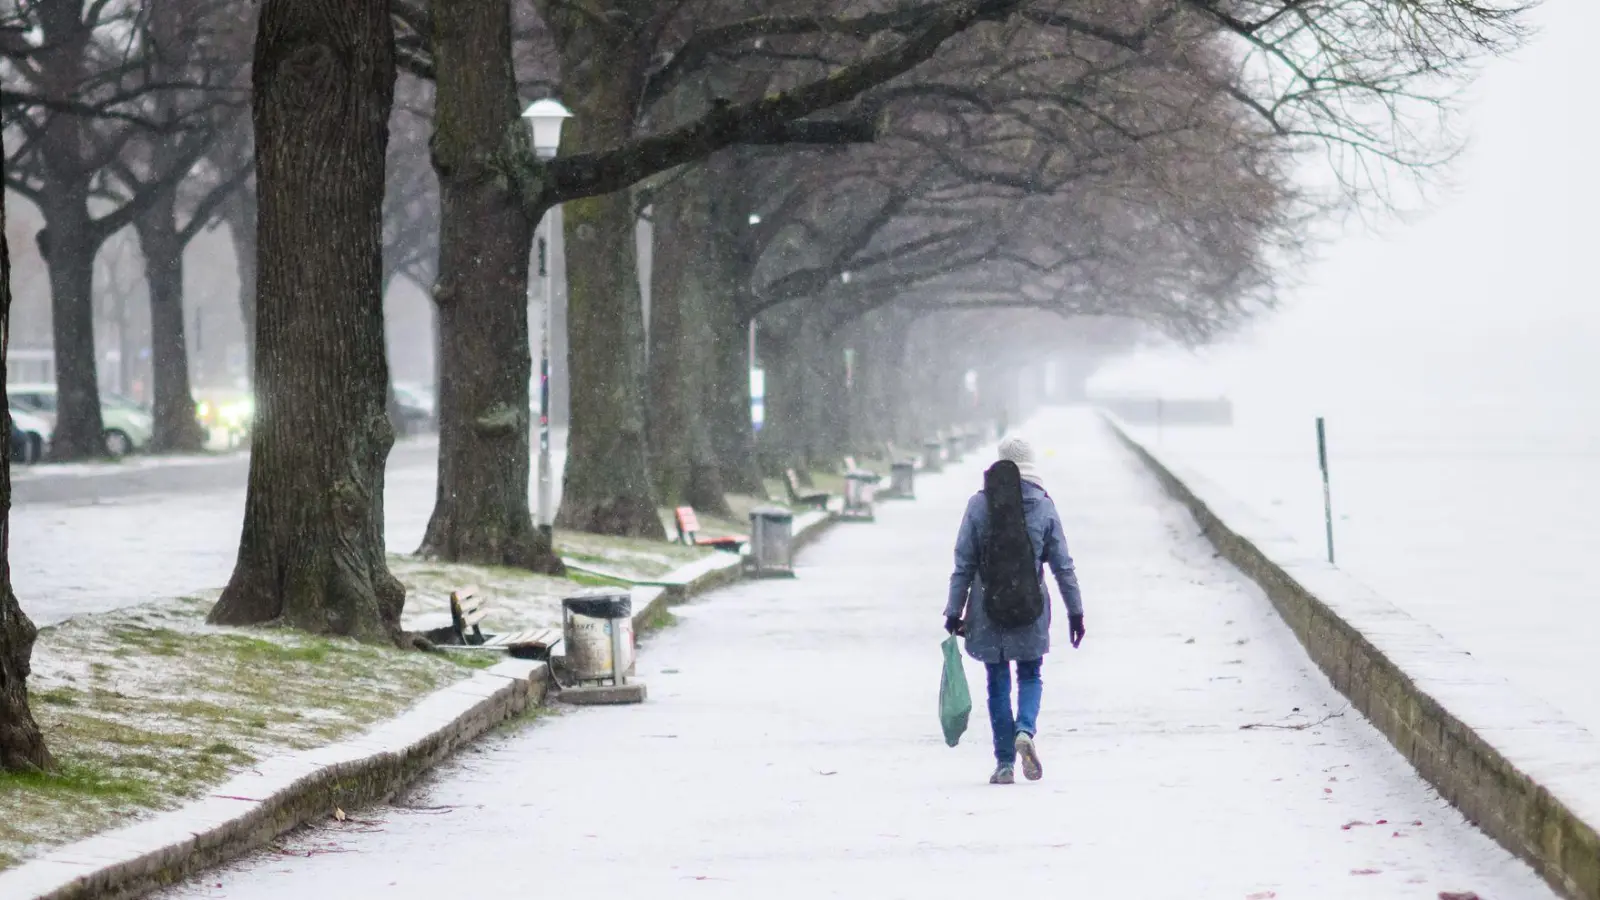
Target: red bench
[689, 533]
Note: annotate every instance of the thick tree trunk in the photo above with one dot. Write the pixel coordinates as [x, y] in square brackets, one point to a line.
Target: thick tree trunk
[481, 512]
[833, 438]
[69, 248]
[607, 488]
[312, 553]
[874, 409]
[22, 745]
[733, 437]
[782, 439]
[176, 429]
[684, 277]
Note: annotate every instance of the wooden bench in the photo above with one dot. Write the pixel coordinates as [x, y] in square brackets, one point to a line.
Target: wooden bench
[467, 611]
[818, 499]
[535, 643]
[850, 466]
[689, 533]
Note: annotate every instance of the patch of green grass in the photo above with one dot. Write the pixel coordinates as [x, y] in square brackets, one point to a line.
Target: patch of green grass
[182, 707]
[251, 650]
[590, 579]
[474, 659]
[76, 779]
[60, 696]
[658, 618]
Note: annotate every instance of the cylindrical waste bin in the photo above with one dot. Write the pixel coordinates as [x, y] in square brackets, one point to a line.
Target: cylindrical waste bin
[902, 481]
[597, 633]
[771, 542]
[974, 438]
[933, 456]
[957, 447]
[858, 490]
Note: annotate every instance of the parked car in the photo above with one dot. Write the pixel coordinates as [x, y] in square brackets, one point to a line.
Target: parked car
[128, 425]
[30, 437]
[415, 406]
[227, 416]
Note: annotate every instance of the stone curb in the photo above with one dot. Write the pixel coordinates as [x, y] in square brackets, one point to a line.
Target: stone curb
[1513, 765]
[725, 570]
[282, 793]
[279, 794]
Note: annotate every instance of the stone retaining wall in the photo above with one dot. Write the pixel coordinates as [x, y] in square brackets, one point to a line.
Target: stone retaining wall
[1516, 768]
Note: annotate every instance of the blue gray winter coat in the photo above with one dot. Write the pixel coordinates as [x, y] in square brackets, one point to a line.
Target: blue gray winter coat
[986, 641]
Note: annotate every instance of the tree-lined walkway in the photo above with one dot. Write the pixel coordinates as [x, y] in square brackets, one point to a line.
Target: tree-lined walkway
[790, 745]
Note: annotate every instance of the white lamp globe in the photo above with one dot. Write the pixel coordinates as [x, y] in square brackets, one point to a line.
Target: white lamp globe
[546, 116]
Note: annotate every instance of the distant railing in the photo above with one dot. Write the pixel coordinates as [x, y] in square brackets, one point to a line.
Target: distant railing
[1163, 411]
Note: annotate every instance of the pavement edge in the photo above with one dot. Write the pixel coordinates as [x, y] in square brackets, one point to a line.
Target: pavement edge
[1498, 795]
[657, 600]
[280, 794]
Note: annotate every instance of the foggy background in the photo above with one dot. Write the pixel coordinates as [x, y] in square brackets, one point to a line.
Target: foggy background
[1455, 357]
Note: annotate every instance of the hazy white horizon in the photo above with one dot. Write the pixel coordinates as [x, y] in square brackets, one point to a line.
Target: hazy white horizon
[1482, 303]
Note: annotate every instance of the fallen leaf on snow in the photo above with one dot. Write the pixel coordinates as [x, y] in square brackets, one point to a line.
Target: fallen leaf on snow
[1349, 825]
[1461, 895]
[1365, 871]
[1263, 895]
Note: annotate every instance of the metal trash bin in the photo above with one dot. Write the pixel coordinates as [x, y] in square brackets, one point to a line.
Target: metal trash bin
[957, 445]
[597, 635]
[933, 456]
[902, 481]
[974, 440]
[858, 491]
[771, 543]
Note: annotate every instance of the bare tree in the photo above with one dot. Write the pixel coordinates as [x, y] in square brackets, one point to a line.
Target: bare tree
[78, 98]
[22, 746]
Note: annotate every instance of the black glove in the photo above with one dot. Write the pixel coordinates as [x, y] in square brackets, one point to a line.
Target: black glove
[954, 625]
[1075, 629]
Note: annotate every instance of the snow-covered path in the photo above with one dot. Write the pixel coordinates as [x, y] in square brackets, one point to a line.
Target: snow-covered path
[790, 748]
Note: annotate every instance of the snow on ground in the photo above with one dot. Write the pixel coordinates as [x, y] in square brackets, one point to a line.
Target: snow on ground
[790, 747]
[1479, 525]
[121, 541]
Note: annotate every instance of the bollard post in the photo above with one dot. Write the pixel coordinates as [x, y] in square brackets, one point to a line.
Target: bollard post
[1327, 491]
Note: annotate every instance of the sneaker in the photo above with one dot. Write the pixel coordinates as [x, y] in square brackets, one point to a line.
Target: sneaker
[1002, 775]
[1032, 769]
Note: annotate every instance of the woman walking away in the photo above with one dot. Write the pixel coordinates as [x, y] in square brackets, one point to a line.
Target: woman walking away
[999, 602]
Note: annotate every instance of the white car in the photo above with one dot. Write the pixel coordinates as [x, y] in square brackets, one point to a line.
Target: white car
[30, 437]
[128, 426]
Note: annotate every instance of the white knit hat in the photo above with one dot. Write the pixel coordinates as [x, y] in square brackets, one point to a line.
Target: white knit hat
[1019, 451]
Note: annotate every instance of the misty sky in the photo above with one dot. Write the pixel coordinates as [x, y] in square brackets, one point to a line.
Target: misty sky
[1484, 302]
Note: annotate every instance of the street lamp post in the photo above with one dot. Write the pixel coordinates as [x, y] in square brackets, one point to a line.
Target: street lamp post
[546, 118]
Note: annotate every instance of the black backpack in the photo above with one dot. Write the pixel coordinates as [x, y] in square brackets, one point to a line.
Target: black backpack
[1011, 593]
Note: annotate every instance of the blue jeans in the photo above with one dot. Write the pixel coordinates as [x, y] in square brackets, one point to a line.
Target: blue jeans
[1030, 687]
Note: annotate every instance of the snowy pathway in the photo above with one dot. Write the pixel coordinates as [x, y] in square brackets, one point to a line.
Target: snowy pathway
[790, 748]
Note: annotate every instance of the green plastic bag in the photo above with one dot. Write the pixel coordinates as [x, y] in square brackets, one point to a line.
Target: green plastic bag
[955, 702]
